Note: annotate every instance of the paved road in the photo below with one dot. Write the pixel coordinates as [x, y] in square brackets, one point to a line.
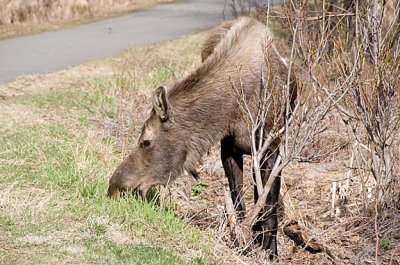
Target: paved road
[50, 51]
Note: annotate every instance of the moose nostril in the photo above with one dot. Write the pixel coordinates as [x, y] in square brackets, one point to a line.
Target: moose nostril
[112, 191]
[112, 195]
[146, 143]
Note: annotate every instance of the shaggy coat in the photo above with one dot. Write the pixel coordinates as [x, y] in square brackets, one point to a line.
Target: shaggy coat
[214, 38]
[205, 109]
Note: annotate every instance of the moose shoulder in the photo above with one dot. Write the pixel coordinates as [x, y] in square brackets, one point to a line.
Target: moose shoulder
[202, 110]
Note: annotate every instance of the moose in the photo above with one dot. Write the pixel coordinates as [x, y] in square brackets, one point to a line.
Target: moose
[200, 111]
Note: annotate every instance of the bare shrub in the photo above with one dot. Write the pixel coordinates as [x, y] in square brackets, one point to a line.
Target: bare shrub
[358, 51]
[238, 8]
[347, 52]
[284, 131]
[370, 67]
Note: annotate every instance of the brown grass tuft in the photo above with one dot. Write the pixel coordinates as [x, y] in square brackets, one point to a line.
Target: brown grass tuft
[18, 17]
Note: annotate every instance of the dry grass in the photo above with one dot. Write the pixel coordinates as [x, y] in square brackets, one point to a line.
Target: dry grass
[95, 111]
[18, 17]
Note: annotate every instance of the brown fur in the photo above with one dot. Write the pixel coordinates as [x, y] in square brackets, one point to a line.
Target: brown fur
[202, 110]
[214, 38]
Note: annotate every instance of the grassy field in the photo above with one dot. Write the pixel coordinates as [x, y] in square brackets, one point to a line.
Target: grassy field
[61, 136]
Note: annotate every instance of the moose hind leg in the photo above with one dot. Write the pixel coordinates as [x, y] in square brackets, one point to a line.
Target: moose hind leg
[232, 161]
[266, 227]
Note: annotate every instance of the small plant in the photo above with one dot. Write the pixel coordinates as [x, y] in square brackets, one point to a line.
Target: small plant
[198, 261]
[96, 225]
[7, 223]
[88, 190]
[385, 244]
[199, 187]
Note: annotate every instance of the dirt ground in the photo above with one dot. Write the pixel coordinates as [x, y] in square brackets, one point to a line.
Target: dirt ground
[347, 234]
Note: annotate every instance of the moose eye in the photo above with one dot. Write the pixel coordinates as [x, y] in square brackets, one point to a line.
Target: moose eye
[145, 143]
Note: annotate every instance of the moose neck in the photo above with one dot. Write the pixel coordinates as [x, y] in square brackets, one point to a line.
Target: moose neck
[203, 104]
[203, 109]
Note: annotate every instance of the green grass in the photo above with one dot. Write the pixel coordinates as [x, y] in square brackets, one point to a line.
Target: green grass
[141, 254]
[56, 156]
[94, 101]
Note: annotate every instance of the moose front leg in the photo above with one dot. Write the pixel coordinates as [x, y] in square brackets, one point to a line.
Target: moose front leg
[266, 227]
[232, 161]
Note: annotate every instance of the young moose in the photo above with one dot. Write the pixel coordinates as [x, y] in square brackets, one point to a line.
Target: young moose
[203, 109]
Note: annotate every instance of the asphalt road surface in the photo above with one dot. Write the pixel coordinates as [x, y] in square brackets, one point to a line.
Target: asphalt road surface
[51, 51]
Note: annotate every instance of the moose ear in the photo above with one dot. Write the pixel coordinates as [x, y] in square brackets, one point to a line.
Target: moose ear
[160, 103]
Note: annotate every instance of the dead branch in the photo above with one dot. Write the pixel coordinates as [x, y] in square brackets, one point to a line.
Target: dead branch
[300, 237]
